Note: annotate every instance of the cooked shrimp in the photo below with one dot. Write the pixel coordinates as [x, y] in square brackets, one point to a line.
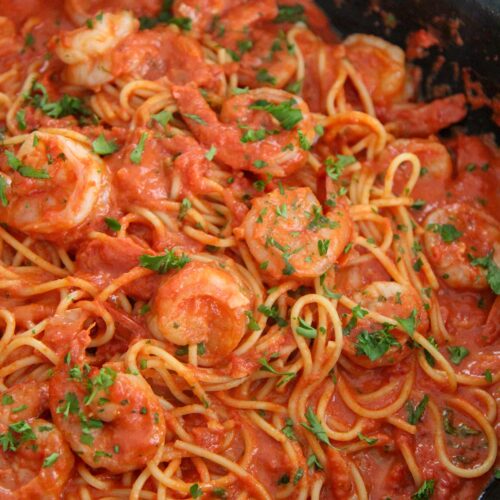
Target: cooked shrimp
[224, 18]
[456, 235]
[202, 303]
[424, 119]
[288, 234]
[248, 138]
[389, 345]
[436, 167]
[432, 155]
[201, 12]
[380, 64]
[87, 51]
[55, 185]
[36, 460]
[165, 52]
[270, 56]
[23, 401]
[79, 11]
[111, 419]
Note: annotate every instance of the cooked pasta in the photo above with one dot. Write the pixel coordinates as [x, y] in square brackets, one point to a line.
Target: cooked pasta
[237, 261]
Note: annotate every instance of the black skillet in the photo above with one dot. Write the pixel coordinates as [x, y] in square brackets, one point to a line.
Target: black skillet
[478, 23]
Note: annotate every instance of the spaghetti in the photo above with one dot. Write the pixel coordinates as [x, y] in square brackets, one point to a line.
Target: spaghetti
[236, 261]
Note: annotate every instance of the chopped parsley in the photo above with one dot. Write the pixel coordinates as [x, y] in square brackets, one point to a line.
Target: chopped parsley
[113, 224]
[298, 475]
[273, 313]
[252, 323]
[457, 353]
[195, 118]
[101, 382]
[185, 207]
[375, 344]
[290, 14]
[50, 460]
[461, 429]
[103, 147]
[25, 170]
[263, 76]
[16, 434]
[313, 462]
[425, 491]
[284, 112]
[314, 426]
[21, 119]
[323, 247]
[67, 105]
[334, 168]
[306, 330]
[416, 413]
[303, 141]
[163, 117]
[219, 492]
[408, 324]
[137, 152]
[210, 154]
[165, 17]
[428, 355]
[448, 232]
[493, 271]
[3, 194]
[254, 135]
[288, 431]
[368, 440]
[418, 204]
[7, 399]
[265, 366]
[320, 221]
[163, 263]
[357, 313]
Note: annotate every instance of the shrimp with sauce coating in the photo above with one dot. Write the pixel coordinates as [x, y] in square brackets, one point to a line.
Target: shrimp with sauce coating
[202, 303]
[55, 186]
[288, 234]
[87, 51]
[369, 344]
[380, 64]
[34, 458]
[110, 418]
[459, 240]
[263, 130]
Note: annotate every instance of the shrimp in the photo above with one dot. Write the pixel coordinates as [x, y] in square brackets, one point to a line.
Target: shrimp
[288, 234]
[369, 344]
[381, 66]
[456, 236]
[270, 54]
[153, 54]
[424, 119]
[247, 136]
[435, 162]
[23, 401]
[79, 11]
[202, 303]
[55, 185]
[87, 51]
[224, 18]
[35, 462]
[111, 419]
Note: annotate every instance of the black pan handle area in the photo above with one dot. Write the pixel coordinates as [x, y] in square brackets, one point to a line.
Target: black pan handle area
[477, 23]
[469, 30]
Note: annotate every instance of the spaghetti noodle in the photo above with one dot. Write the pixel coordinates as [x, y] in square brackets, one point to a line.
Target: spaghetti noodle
[228, 269]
